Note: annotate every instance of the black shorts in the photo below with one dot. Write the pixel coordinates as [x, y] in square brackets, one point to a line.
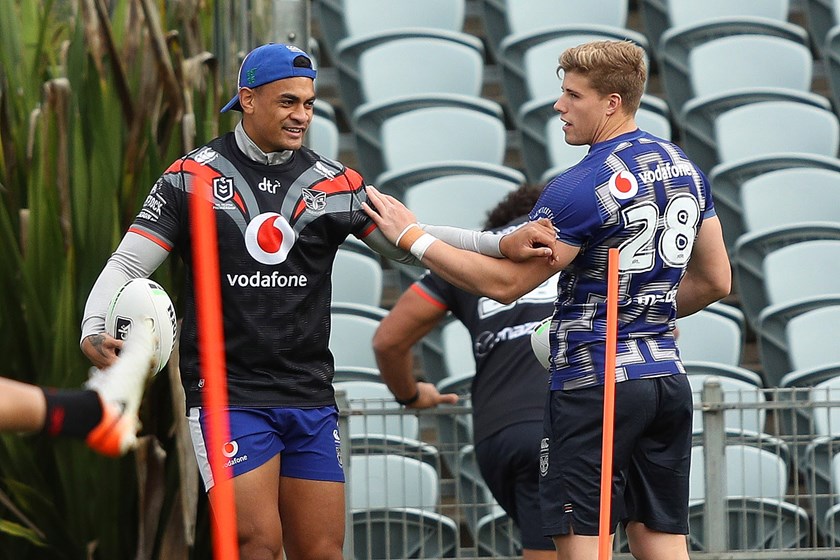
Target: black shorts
[651, 457]
[508, 461]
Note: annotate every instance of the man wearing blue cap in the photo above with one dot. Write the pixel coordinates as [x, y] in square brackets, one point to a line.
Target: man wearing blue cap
[282, 210]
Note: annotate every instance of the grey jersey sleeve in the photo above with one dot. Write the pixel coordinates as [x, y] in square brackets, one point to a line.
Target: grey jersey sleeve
[484, 242]
[377, 241]
[136, 257]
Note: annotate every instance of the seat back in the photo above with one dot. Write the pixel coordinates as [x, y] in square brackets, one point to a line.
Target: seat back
[812, 339]
[402, 67]
[741, 61]
[504, 18]
[392, 481]
[734, 391]
[371, 16]
[460, 200]
[439, 134]
[750, 472]
[528, 15]
[457, 344]
[372, 397]
[817, 198]
[356, 278]
[826, 419]
[653, 122]
[687, 12]
[776, 126]
[322, 136]
[351, 337]
[809, 268]
[710, 337]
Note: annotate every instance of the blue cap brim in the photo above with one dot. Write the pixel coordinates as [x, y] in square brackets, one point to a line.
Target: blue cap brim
[232, 104]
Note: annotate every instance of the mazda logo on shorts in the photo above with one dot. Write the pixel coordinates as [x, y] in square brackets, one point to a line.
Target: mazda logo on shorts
[269, 238]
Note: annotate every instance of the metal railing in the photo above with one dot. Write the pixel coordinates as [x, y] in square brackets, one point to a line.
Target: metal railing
[754, 495]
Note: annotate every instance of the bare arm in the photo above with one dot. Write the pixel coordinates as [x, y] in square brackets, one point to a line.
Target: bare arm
[411, 318]
[708, 276]
[501, 279]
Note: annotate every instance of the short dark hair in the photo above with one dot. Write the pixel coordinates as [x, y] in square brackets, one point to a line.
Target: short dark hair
[515, 205]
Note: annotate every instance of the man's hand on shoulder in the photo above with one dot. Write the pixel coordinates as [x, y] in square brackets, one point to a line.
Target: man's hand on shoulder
[534, 239]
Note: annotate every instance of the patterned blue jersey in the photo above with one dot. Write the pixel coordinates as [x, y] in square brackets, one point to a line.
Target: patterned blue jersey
[642, 195]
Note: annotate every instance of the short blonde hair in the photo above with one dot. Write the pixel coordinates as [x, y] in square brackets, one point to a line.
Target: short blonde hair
[612, 67]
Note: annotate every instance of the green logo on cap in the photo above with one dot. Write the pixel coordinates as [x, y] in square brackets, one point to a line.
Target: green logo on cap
[251, 76]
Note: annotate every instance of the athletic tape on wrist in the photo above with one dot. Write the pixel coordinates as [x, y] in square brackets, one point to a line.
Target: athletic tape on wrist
[418, 248]
[403, 232]
[409, 235]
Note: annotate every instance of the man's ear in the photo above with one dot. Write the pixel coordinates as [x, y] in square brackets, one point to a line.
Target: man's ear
[614, 103]
[246, 99]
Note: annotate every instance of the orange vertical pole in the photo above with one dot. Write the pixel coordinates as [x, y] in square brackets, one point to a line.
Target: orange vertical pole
[211, 344]
[604, 548]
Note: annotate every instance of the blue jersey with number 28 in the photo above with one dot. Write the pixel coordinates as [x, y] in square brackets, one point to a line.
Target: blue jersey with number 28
[641, 194]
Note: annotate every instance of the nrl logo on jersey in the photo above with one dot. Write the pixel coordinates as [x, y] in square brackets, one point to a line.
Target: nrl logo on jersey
[324, 171]
[314, 200]
[223, 192]
[205, 156]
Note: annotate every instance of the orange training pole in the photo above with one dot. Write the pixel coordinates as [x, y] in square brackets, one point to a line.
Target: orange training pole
[208, 302]
[604, 548]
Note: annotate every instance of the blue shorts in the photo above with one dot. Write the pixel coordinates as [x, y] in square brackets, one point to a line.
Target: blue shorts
[509, 463]
[651, 457]
[306, 438]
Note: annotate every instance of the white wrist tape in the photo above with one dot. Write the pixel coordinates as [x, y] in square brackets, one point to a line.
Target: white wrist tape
[418, 248]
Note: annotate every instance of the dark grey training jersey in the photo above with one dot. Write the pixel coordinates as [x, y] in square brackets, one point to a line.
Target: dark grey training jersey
[278, 230]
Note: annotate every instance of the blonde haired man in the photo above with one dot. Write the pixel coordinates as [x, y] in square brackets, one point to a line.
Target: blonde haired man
[642, 195]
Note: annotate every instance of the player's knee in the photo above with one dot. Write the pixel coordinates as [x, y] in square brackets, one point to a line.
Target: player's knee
[255, 546]
[324, 550]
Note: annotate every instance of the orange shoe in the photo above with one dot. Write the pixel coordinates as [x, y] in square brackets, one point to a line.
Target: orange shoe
[121, 389]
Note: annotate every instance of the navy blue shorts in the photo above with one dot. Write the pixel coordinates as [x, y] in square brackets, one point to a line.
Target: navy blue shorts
[306, 438]
[651, 457]
[508, 461]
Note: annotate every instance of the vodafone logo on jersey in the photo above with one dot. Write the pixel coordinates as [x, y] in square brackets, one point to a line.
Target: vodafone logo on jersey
[623, 185]
[269, 238]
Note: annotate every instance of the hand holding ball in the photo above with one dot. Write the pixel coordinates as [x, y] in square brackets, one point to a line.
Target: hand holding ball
[142, 299]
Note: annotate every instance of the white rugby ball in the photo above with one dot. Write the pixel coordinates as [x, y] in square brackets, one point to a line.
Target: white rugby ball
[540, 343]
[140, 299]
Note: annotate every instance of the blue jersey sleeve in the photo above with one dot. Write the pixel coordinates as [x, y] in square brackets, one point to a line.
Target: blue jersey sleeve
[573, 210]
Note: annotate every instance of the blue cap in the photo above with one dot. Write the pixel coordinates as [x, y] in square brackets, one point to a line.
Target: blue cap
[268, 63]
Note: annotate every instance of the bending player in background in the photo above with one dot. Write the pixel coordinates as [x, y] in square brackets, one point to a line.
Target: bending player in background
[640, 194]
[104, 414]
[509, 388]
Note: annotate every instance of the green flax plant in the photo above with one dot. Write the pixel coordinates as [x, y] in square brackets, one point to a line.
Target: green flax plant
[97, 97]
